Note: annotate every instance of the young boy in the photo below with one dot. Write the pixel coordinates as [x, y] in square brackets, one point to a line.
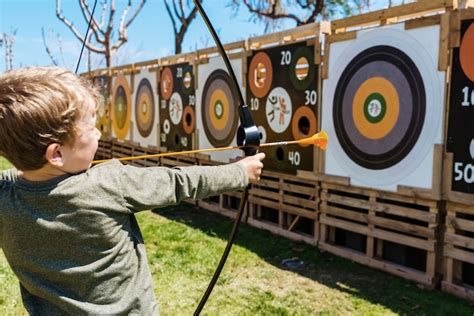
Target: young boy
[68, 230]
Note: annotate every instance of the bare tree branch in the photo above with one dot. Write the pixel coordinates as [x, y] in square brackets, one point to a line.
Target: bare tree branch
[48, 50]
[177, 15]
[101, 39]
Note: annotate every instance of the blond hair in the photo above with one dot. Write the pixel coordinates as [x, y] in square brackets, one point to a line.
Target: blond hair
[39, 106]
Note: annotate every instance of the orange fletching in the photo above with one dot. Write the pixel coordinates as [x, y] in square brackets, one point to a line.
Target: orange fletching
[319, 139]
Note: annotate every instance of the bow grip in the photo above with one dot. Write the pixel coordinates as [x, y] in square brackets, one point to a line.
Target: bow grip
[248, 135]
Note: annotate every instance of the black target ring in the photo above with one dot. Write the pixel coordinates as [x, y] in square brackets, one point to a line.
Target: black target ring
[414, 100]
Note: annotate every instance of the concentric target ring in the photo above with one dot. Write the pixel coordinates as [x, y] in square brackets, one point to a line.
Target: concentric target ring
[260, 74]
[187, 81]
[121, 109]
[166, 83]
[219, 109]
[302, 69]
[145, 108]
[376, 85]
[303, 123]
[189, 120]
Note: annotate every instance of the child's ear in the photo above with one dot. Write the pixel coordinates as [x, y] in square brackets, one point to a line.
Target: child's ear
[53, 155]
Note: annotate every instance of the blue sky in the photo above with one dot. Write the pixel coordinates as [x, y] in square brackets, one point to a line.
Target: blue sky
[150, 35]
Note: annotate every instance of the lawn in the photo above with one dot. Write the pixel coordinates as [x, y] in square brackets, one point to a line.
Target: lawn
[184, 245]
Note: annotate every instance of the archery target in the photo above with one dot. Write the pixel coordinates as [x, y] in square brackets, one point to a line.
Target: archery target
[121, 107]
[217, 113]
[177, 115]
[382, 107]
[103, 109]
[145, 113]
[282, 85]
[460, 140]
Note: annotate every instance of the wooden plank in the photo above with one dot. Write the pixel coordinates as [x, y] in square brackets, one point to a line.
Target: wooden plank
[345, 200]
[300, 202]
[403, 227]
[278, 231]
[282, 37]
[409, 9]
[335, 211]
[459, 240]
[340, 37]
[406, 212]
[458, 290]
[459, 254]
[444, 42]
[422, 22]
[459, 223]
[392, 268]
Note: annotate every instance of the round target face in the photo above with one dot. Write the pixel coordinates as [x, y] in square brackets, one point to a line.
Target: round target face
[121, 109]
[278, 110]
[144, 108]
[166, 83]
[219, 109]
[189, 119]
[176, 108]
[303, 123]
[382, 106]
[377, 85]
[260, 74]
[263, 134]
[187, 82]
[302, 68]
[466, 52]
[166, 126]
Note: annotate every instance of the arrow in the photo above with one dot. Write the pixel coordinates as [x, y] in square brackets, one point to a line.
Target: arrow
[319, 140]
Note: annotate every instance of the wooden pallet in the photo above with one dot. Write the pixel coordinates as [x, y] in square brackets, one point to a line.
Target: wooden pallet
[286, 205]
[381, 230]
[459, 250]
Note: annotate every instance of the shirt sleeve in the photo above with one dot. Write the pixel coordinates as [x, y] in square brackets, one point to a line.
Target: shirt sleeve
[154, 187]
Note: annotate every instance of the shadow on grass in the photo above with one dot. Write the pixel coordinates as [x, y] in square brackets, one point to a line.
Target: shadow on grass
[399, 295]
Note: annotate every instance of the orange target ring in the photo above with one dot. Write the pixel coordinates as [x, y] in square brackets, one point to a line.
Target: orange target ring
[166, 83]
[189, 120]
[466, 53]
[303, 123]
[260, 74]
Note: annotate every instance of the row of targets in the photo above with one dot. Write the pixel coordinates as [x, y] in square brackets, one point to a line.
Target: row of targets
[460, 140]
[149, 111]
[383, 107]
[282, 94]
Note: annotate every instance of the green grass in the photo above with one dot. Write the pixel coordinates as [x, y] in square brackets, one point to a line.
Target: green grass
[184, 245]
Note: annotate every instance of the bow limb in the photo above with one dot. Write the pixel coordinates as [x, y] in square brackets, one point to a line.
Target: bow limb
[248, 137]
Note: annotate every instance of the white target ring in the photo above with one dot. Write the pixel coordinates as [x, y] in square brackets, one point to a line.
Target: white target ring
[176, 108]
[166, 126]
[278, 110]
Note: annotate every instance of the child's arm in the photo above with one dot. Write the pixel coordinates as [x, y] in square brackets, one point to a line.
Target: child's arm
[145, 188]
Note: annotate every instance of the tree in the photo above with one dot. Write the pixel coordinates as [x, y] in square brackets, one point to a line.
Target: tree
[180, 19]
[8, 39]
[270, 12]
[100, 39]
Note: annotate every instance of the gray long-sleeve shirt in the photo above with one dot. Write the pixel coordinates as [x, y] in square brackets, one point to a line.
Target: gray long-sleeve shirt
[74, 243]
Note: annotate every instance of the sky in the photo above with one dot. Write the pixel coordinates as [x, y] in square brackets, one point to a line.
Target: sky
[150, 35]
